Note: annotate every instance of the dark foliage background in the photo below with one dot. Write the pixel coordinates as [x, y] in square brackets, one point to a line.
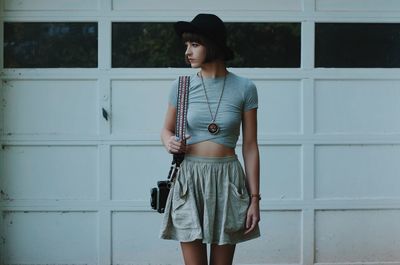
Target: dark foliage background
[136, 45]
[50, 44]
[254, 44]
[357, 45]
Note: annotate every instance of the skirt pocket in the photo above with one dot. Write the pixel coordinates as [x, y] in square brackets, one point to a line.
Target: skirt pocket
[237, 205]
[182, 215]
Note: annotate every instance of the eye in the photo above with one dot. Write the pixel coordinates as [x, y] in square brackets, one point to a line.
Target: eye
[195, 44]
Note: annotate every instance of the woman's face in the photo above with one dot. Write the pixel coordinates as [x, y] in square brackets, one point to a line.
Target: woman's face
[195, 53]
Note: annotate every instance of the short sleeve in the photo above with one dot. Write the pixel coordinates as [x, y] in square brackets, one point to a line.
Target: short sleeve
[250, 97]
[173, 93]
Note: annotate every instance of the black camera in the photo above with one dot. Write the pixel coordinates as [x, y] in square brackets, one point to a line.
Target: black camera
[159, 195]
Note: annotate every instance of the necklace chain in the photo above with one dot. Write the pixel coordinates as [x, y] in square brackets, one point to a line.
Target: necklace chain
[213, 117]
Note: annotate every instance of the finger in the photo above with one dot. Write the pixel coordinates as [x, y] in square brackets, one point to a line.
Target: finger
[248, 222]
[252, 224]
[172, 147]
[252, 227]
[178, 146]
[174, 142]
[174, 139]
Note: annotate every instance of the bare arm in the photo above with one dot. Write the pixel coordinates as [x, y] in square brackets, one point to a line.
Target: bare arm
[252, 165]
[168, 133]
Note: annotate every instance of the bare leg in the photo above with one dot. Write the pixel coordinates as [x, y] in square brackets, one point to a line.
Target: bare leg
[194, 253]
[222, 254]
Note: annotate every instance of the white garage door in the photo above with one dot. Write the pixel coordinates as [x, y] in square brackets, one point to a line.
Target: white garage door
[80, 144]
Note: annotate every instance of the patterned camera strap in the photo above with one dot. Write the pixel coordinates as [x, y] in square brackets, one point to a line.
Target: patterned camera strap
[181, 120]
[182, 106]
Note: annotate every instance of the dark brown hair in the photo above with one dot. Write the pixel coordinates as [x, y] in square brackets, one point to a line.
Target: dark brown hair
[213, 51]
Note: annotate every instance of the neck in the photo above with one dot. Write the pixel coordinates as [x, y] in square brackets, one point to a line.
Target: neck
[214, 69]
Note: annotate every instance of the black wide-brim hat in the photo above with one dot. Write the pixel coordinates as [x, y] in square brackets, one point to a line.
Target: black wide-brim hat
[209, 26]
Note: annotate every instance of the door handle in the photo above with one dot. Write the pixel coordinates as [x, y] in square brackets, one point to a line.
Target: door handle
[105, 114]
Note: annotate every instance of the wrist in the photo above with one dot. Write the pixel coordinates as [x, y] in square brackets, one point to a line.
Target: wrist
[255, 197]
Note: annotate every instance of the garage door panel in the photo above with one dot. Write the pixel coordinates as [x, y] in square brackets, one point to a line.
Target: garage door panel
[49, 172]
[357, 236]
[279, 109]
[56, 107]
[136, 169]
[280, 241]
[357, 106]
[357, 171]
[255, 5]
[138, 107]
[39, 5]
[357, 5]
[128, 246]
[50, 237]
[280, 168]
[75, 182]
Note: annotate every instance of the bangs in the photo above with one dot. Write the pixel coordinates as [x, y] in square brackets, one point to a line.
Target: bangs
[213, 51]
[193, 37]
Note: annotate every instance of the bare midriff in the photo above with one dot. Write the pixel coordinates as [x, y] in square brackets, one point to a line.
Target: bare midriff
[210, 149]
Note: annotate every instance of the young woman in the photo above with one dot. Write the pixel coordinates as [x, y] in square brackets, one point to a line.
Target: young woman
[213, 200]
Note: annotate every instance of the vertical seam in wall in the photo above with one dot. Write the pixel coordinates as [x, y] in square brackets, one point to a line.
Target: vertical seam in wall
[307, 240]
[104, 213]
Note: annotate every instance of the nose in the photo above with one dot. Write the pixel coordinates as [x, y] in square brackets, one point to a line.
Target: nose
[188, 50]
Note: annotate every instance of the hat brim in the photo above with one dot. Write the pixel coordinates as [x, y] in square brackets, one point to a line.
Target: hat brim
[184, 26]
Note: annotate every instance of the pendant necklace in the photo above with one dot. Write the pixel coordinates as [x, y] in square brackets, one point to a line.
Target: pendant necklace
[213, 128]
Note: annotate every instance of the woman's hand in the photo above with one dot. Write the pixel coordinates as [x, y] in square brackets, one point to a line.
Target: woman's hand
[253, 216]
[175, 146]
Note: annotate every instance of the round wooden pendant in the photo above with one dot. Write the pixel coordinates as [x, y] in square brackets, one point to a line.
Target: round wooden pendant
[213, 128]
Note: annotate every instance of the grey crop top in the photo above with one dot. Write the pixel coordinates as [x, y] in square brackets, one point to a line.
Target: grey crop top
[240, 95]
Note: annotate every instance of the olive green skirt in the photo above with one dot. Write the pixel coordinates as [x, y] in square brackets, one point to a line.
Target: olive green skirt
[208, 201]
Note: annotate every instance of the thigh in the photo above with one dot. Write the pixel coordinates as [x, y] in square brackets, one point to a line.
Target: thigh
[194, 253]
[222, 254]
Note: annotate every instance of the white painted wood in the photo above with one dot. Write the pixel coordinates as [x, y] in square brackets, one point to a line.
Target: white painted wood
[357, 171]
[284, 160]
[104, 102]
[322, 132]
[307, 47]
[281, 242]
[172, 73]
[308, 5]
[357, 235]
[138, 106]
[132, 244]
[50, 107]
[357, 5]
[357, 106]
[308, 236]
[50, 172]
[281, 112]
[50, 237]
[206, 5]
[134, 171]
[104, 214]
[104, 232]
[43, 5]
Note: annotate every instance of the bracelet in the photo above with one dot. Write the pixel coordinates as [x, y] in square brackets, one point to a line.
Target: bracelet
[256, 195]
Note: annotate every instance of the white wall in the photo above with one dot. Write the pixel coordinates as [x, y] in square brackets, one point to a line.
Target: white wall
[75, 187]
